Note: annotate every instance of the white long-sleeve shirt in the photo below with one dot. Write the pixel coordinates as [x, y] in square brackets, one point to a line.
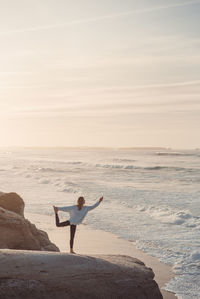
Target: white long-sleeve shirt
[77, 216]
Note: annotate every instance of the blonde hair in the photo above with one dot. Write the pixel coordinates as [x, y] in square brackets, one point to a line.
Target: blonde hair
[80, 202]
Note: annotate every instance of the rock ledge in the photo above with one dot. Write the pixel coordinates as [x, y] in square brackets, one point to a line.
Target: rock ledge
[29, 274]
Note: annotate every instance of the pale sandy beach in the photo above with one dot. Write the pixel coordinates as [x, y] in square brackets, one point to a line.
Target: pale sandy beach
[90, 241]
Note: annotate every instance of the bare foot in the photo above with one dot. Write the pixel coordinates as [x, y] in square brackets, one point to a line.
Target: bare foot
[72, 251]
[55, 209]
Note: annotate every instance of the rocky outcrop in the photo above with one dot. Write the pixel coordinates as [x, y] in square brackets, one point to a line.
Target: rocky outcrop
[33, 272]
[16, 232]
[12, 202]
[25, 274]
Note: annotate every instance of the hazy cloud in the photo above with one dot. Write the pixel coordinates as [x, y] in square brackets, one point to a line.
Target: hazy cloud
[100, 18]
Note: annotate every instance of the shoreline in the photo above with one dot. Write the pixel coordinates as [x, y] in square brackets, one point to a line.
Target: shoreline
[91, 241]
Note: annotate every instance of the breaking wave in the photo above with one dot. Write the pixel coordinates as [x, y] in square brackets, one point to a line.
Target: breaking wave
[169, 216]
[157, 167]
[176, 154]
[124, 160]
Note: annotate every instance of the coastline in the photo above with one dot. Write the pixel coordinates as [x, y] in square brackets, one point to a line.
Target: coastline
[91, 241]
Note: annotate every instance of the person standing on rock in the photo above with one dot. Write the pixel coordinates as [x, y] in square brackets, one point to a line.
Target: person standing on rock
[77, 214]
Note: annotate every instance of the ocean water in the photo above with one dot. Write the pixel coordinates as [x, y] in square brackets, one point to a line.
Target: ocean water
[151, 197]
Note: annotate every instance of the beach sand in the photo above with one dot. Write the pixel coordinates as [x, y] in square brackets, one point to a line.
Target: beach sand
[89, 241]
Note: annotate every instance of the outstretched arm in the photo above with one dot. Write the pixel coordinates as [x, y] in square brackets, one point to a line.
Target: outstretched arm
[95, 205]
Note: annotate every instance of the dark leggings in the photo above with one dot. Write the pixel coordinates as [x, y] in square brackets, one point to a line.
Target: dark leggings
[72, 229]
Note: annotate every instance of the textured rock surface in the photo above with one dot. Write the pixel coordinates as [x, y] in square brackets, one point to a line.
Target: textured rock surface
[12, 202]
[18, 233]
[27, 275]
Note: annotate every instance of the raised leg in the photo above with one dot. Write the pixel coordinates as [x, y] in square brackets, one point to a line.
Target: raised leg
[61, 224]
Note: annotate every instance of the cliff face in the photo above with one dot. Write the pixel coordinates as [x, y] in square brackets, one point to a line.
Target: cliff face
[25, 274]
[16, 232]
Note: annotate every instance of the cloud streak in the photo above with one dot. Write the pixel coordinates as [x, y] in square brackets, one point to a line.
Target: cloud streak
[163, 85]
[100, 18]
[105, 89]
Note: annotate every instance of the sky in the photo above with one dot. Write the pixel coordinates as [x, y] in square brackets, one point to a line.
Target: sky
[107, 73]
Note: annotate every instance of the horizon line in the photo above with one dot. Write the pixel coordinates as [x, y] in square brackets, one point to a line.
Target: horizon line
[102, 147]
